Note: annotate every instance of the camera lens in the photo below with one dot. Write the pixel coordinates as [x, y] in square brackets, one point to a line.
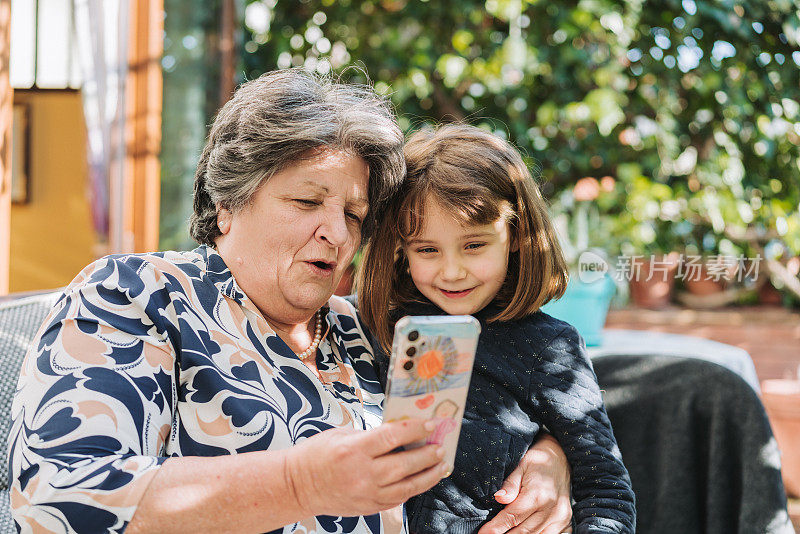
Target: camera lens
[413, 335]
[411, 351]
[408, 365]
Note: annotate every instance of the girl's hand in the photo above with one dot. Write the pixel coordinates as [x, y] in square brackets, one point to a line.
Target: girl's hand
[346, 472]
[536, 493]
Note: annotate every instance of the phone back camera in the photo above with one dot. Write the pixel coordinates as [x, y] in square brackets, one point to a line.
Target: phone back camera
[411, 351]
[413, 335]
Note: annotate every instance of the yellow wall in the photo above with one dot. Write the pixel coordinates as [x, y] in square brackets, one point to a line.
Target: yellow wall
[52, 237]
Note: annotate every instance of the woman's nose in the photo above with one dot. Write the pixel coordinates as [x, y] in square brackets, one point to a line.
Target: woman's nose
[333, 228]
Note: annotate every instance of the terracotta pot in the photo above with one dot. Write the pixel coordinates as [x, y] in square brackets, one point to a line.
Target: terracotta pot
[652, 282]
[700, 284]
[703, 286]
[782, 401]
[767, 294]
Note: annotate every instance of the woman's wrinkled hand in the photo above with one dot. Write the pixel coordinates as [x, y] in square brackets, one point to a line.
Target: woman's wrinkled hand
[536, 493]
[346, 472]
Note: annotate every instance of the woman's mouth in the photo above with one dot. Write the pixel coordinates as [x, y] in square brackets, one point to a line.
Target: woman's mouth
[321, 267]
[456, 294]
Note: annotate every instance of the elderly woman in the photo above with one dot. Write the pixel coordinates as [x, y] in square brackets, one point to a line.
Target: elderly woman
[225, 389]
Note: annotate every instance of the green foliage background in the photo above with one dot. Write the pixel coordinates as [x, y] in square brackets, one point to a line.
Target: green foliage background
[191, 72]
[631, 89]
[692, 106]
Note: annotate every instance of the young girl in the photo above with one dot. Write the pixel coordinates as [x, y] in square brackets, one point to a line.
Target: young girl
[469, 234]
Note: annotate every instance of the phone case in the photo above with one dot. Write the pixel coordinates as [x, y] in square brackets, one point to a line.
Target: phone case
[429, 373]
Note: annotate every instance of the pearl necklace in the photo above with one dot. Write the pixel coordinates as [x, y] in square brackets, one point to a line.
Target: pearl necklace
[317, 338]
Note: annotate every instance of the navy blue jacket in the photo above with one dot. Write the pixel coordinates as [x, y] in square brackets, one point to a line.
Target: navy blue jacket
[529, 374]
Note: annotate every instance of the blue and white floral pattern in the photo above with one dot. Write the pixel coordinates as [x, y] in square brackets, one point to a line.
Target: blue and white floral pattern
[152, 356]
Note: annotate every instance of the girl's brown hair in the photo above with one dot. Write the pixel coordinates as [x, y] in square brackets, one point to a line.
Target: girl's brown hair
[479, 178]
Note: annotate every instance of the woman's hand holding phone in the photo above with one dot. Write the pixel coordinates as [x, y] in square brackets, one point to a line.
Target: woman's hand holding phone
[347, 472]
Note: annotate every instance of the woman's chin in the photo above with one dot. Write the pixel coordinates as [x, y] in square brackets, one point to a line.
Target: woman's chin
[311, 296]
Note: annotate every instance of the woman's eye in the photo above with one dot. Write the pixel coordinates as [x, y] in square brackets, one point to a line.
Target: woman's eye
[355, 217]
[307, 202]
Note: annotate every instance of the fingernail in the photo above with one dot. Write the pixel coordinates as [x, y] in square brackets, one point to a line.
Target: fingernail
[447, 471]
[500, 493]
[440, 452]
[430, 425]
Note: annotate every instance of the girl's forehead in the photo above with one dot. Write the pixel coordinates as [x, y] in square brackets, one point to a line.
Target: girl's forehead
[466, 211]
[425, 210]
[432, 206]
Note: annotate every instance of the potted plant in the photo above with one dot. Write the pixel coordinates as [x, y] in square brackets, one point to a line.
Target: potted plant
[716, 280]
[650, 229]
[653, 280]
[591, 286]
[760, 222]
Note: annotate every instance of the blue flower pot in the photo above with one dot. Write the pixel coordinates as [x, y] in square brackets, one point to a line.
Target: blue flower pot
[584, 306]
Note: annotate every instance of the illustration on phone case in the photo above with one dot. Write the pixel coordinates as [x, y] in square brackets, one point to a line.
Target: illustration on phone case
[429, 373]
[444, 415]
[429, 366]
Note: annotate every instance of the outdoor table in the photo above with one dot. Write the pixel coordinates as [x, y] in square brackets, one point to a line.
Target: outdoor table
[647, 343]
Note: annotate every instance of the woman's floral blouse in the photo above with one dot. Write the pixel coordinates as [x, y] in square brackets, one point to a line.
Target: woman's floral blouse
[151, 356]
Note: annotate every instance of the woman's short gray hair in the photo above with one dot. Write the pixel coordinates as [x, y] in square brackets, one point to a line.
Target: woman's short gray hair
[275, 121]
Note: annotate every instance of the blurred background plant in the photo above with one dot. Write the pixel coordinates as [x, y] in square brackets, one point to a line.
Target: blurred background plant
[693, 107]
[584, 217]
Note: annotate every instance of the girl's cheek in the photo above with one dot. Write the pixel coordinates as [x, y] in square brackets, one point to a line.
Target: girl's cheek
[420, 274]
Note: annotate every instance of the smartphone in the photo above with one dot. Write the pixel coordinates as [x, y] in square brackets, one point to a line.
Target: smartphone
[429, 373]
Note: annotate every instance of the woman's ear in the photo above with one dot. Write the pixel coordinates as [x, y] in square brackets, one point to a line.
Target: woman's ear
[224, 220]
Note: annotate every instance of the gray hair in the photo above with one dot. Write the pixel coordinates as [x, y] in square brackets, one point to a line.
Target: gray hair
[275, 121]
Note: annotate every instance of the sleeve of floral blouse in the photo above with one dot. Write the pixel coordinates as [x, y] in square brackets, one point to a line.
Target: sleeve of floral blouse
[94, 404]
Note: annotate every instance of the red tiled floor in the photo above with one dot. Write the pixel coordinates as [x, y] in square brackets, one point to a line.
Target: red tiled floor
[770, 334]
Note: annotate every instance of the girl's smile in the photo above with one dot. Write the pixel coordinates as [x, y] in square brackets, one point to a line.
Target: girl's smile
[458, 267]
[456, 294]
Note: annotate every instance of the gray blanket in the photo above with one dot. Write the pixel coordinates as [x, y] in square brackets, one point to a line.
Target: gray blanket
[697, 444]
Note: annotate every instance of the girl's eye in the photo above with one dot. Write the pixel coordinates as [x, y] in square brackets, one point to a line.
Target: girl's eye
[474, 246]
[426, 250]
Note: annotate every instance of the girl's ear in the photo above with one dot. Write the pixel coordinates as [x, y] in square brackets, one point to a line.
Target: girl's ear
[514, 241]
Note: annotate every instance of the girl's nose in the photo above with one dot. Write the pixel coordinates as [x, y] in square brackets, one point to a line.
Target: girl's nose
[453, 269]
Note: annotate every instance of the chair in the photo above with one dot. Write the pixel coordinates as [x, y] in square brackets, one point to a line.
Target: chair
[697, 444]
[19, 321]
